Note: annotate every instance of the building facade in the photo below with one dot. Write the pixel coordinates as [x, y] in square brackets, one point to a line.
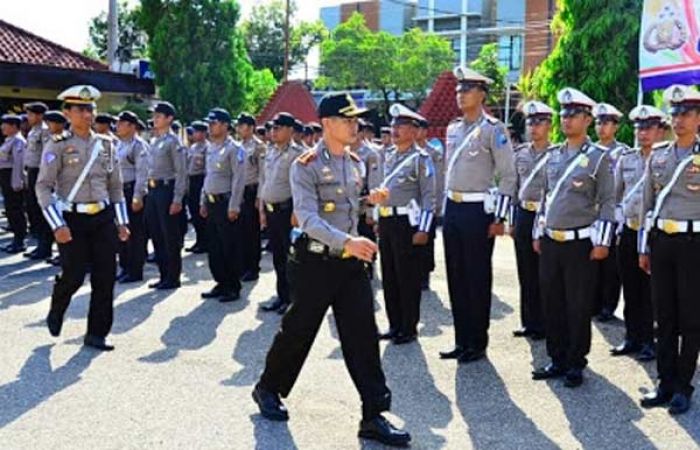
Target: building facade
[392, 16]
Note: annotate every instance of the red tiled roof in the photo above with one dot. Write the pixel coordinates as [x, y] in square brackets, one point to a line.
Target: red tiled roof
[22, 47]
[440, 108]
[292, 97]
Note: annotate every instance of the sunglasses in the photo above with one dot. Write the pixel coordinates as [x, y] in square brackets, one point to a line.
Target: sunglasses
[532, 121]
[571, 112]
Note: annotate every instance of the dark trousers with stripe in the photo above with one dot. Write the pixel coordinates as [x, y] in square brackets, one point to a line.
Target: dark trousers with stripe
[224, 253]
[528, 271]
[250, 230]
[14, 206]
[468, 251]
[199, 224]
[279, 227]
[674, 291]
[132, 253]
[37, 223]
[166, 231]
[636, 289]
[608, 286]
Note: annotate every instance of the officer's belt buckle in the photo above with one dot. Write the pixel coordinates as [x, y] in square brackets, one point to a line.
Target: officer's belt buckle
[633, 224]
[558, 235]
[316, 247]
[151, 183]
[530, 206]
[670, 226]
[270, 207]
[384, 211]
[211, 198]
[456, 197]
[345, 255]
[93, 208]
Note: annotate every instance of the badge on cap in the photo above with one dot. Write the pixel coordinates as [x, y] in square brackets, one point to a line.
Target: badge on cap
[568, 96]
[602, 110]
[85, 93]
[532, 109]
[677, 94]
[643, 113]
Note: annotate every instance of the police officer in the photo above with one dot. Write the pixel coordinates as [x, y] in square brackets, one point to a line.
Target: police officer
[196, 158]
[132, 152]
[12, 180]
[530, 159]
[250, 219]
[406, 211]
[371, 178]
[104, 123]
[221, 199]
[82, 169]
[56, 123]
[298, 136]
[478, 152]
[276, 202]
[575, 231]
[671, 214]
[36, 139]
[318, 131]
[326, 270]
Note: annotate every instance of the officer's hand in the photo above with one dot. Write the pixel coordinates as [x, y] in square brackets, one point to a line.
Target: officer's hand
[62, 235]
[361, 248]
[203, 211]
[645, 263]
[420, 238]
[378, 196]
[497, 229]
[263, 220]
[232, 215]
[136, 205]
[124, 233]
[599, 253]
[536, 246]
[175, 208]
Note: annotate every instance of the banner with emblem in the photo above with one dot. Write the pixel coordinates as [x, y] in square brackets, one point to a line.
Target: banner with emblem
[669, 43]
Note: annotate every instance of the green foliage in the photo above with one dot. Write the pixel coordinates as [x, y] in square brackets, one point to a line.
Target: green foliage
[487, 64]
[138, 108]
[132, 37]
[260, 87]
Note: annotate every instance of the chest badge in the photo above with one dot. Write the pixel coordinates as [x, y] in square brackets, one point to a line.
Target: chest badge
[584, 162]
[329, 207]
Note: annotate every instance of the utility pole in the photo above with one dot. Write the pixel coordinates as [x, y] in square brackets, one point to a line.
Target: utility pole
[463, 35]
[112, 36]
[286, 44]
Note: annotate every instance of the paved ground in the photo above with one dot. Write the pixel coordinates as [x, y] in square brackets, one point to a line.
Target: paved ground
[184, 368]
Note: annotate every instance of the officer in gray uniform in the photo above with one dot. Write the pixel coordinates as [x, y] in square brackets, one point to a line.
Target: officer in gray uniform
[36, 139]
[478, 153]
[196, 157]
[221, 199]
[406, 210]
[326, 270]
[80, 190]
[574, 231]
[132, 152]
[167, 184]
[104, 124]
[371, 179]
[670, 249]
[12, 180]
[276, 202]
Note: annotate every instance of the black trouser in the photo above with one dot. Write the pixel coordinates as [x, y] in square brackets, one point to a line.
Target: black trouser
[250, 230]
[94, 243]
[401, 273]
[37, 223]
[193, 197]
[636, 288]
[279, 227]
[166, 231]
[566, 276]
[468, 251]
[14, 206]
[318, 283]
[608, 284]
[132, 253]
[429, 253]
[675, 260]
[224, 251]
[528, 271]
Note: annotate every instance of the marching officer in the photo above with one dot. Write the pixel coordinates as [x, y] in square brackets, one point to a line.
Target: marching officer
[196, 159]
[167, 183]
[276, 202]
[12, 180]
[221, 199]
[406, 199]
[250, 218]
[478, 153]
[132, 152]
[82, 169]
[36, 140]
[670, 249]
[576, 228]
[326, 270]
[530, 159]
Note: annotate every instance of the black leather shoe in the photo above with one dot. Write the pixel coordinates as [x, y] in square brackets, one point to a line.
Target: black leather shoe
[573, 378]
[381, 430]
[15, 248]
[646, 353]
[250, 276]
[271, 407]
[30, 254]
[283, 308]
[471, 356]
[168, 285]
[626, 348]
[452, 354]
[98, 343]
[215, 292]
[40, 254]
[231, 296]
[155, 285]
[130, 279]
[551, 370]
[658, 397]
[274, 306]
[401, 338]
[55, 322]
[522, 332]
[680, 403]
[55, 261]
[388, 335]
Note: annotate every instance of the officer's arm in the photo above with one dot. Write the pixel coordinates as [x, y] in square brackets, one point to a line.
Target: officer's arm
[141, 158]
[645, 211]
[374, 174]
[49, 168]
[178, 154]
[18, 164]
[502, 153]
[619, 183]
[538, 225]
[115, 189]
[605, 199]
[426, 180]
[238, 164]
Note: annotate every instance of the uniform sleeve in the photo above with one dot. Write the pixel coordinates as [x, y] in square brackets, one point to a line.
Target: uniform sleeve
[619, 190]
[538, 224]
[141, 158]
[116, 189]
[50, 167]
[426, 179]
[306, 209]
[238, 163]
[605, 199]
[645, 212]
[18, 149]
[178, 153]
[502, 153]
[374, 172]
[261, 175]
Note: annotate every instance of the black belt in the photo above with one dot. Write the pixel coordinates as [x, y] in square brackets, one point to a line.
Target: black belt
[307, 246]
[213, 198]
[155, 183]
[280, 206]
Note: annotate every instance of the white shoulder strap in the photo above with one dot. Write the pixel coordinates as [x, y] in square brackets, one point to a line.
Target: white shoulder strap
[96, 148]
[532, 175]
[570, 168]
[676, 175]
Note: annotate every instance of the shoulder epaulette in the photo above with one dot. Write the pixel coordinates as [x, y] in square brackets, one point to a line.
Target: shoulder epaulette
[599, 147]
[629, 151]
[61, 137]
[659, 145]
[492, 120]
[424, 152]
[306, 157]
[553, 147]
[522, 147]
[354, 156]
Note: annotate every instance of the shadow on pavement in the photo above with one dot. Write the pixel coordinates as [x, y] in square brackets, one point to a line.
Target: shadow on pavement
[132, 313]
[271, 435]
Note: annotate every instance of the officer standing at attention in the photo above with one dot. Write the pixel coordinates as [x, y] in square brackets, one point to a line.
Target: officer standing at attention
[574, 231]
[196, 157]
[326, 270]
[670, 250]
[250, 218]
[12, 180]
[36, 140]
[406, 210]
[530, 159]
[478, 153]
[82, 169]
[221, 200]
[607, 120]
[276, 202]
[132, 152]
[103, 124]
[167, 183]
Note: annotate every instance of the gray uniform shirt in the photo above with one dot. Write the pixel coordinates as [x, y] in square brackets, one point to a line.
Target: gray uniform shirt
[628, 173]
[526, 159]
[133, 161]
[274, 176]
[373, 167]
[412, 177]
[255, 153]
[438, 157]
[12, 157]
[615, 151]
[196, 157]
[225, 172]
[167, 160]
[36, 140]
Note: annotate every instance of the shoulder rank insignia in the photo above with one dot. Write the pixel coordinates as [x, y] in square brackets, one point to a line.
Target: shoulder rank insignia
[306, 157]
[492, 120]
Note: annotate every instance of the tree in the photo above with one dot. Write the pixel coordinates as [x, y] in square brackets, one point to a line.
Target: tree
[259, 89]
[595, 53]
[132, 38]
[488, 65]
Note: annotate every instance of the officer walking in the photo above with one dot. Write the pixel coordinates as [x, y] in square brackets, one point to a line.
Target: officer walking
[574, 232]
[406, 199]
[326, 270]
[671, 214]
[82, 168]
[478, 153]
[196, 159]
[132, 152]
[12, 180]
[167, 183]
[221, 199]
